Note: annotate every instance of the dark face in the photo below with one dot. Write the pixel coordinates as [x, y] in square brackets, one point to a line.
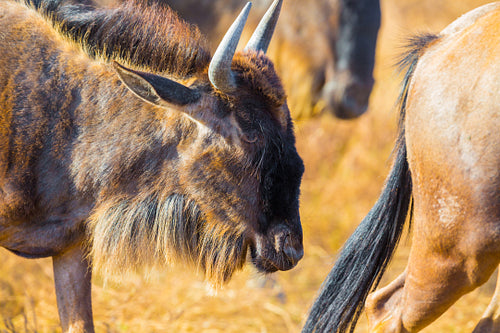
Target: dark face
[276, 237]
[277, 244]
[358, 24]
[247, 175]
[264, 120]
[327, 52]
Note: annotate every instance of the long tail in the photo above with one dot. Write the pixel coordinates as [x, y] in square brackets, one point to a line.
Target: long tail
[364, 256]
[367, 252]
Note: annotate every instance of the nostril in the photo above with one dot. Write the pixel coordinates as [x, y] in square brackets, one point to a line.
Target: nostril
[292, 253]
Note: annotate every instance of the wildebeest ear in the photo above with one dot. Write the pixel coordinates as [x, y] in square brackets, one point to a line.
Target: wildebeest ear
[156, 89]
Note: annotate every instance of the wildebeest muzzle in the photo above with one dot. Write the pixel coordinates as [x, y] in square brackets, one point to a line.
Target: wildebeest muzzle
[279, 249]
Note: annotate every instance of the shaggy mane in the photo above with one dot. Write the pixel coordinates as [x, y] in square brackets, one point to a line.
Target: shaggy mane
[144, 36]
[128, 234]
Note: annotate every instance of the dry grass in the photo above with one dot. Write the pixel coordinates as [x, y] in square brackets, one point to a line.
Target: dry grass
[346, 164]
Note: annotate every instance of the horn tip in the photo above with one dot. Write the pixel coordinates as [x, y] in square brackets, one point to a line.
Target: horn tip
[263, 33]
[219, 70]
[247, 6]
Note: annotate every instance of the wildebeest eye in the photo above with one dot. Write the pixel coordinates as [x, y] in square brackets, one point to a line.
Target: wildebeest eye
[250, 138]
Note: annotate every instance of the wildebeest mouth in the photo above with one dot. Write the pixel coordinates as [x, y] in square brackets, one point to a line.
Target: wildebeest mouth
[282, 253]
[264, 265]
[275, 262]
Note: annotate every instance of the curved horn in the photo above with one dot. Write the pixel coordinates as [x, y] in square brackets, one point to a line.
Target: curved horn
[219, 71]
[264, 32]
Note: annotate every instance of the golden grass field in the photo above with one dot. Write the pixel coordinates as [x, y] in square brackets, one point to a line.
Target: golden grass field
[346, 164]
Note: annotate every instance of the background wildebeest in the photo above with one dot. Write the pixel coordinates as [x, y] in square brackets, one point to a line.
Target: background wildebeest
[324, 50]
[445, 178]
[181, 158]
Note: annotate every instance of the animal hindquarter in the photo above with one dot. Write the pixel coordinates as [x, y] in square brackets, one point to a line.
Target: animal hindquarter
[452, 123]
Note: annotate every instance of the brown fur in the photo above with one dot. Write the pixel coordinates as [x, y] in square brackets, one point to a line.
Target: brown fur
[453, 155]
[258, 73]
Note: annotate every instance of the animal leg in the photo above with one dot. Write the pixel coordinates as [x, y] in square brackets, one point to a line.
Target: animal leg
[417, 298]
[72, 275]
[433, 281]
[382, 304]
[490, 321]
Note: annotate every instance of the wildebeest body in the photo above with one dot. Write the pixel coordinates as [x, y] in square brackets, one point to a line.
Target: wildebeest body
[41, 105]
[187, 172]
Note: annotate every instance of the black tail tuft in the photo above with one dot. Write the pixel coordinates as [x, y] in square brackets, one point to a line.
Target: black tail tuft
[364, 256]
[367, 252]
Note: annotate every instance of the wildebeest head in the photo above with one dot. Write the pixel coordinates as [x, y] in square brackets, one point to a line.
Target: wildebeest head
[325, 54]
[349, 82]
[236, 184]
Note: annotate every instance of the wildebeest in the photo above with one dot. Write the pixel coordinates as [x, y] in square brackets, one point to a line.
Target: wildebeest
[124, 144]
[445, 179]
[324, 50]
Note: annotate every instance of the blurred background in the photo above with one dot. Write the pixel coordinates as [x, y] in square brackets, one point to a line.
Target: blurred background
[346, 164]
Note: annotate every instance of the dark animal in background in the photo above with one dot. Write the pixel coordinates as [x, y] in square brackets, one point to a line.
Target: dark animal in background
[176, 157]
[445, 178]
[324, 50]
